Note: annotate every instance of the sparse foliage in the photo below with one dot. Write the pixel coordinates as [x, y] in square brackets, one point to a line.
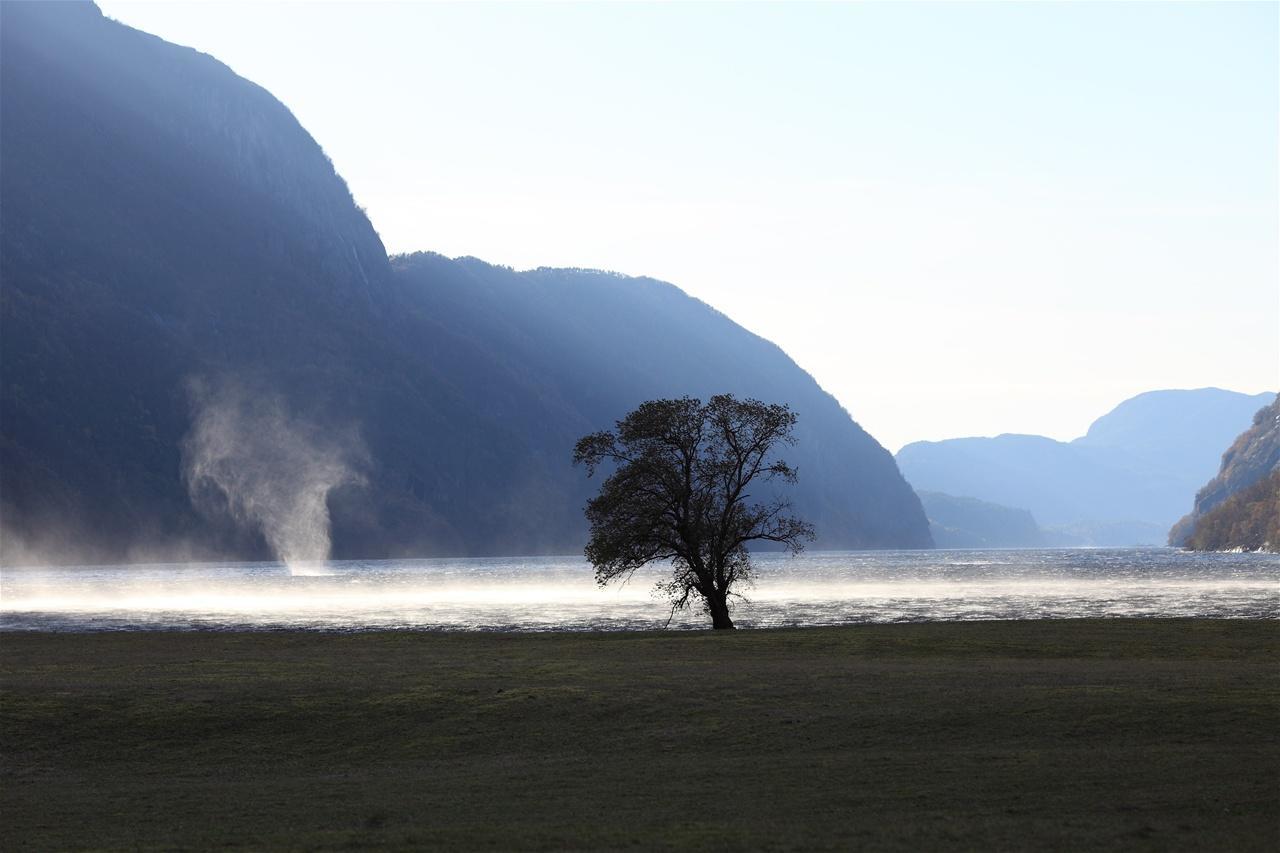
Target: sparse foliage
[679, 492]
[1249, 520]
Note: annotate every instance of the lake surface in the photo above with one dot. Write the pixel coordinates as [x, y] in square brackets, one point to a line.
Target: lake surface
[559, 593]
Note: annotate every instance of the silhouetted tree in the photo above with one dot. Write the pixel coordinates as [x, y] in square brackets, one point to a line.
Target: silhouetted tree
[679, 493]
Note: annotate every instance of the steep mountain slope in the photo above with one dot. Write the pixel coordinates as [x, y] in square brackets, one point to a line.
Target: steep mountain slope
[1127, 477]
[597, 343]
[205, 344]
[1252, 458]
[162, 218]
[1248, 520]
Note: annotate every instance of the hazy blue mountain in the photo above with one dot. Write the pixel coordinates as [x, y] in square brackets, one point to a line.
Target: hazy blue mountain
[1121, 483]
[957, 522]
[196, 316]
[1168, 425]
[1246, 482]
[960, 522]
[1091, 533]
[597, 343]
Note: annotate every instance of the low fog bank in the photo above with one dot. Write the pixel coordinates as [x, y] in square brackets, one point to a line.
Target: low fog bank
[258, 476]
[56, 545]
[561, 594]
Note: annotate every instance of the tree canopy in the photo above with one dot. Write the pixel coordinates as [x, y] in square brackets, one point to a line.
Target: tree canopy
[680, 491]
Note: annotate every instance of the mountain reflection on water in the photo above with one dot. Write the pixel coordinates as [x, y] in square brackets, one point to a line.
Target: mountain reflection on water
[559, 593]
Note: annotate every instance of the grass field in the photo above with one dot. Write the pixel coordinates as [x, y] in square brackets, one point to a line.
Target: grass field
[1157, 735]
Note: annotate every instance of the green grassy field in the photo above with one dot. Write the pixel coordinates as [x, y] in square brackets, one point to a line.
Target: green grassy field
[1013, 735]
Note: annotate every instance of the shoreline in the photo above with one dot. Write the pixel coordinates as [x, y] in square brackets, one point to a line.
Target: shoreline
[234, 630]
[553, 595]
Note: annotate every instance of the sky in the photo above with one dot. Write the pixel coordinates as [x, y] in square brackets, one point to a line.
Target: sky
[961, 219]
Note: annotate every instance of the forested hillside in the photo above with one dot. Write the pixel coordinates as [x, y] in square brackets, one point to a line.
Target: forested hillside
[1238, 508]
[1248, 520]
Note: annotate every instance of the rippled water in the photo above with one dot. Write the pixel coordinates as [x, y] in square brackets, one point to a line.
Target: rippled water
[539, 593]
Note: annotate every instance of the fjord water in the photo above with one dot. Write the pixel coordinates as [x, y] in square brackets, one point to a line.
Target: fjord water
[559, 593]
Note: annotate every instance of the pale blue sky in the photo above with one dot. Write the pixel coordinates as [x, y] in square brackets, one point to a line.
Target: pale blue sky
[962, 219]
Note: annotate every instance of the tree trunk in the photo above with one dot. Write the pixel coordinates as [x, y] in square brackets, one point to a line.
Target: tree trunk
[718, 606]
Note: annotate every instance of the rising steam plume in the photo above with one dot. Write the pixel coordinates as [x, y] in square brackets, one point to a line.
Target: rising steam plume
[271, 469]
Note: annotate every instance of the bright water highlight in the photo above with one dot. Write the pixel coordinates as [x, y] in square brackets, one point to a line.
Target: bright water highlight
[559, 593]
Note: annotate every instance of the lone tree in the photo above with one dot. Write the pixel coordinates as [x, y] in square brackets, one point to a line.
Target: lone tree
[679, 493]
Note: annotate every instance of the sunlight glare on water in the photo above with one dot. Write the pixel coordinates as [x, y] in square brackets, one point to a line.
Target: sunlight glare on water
[550, 593]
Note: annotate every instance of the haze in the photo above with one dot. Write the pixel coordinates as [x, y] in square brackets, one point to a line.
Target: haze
[962, 219]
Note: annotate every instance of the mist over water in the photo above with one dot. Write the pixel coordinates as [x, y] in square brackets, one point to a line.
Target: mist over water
[247, 455]
[536, 594]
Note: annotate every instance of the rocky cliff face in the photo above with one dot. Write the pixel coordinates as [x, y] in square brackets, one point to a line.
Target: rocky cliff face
[1248, 520]
[1251, 459]
[191, 296]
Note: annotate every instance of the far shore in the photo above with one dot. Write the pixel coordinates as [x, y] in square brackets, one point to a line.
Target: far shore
[1157, 734]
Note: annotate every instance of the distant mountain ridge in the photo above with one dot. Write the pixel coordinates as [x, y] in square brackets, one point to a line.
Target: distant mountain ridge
[1123, 482]
[958, 522]
[192, 298]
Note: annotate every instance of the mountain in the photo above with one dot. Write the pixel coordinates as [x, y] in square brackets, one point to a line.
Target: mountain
[1248, 520]
[206, 351]
[597, 343]
[1105, 534]
[1123, 482]
[1239, 507]
[957, 522]
[163, 219]
[1163, 426]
